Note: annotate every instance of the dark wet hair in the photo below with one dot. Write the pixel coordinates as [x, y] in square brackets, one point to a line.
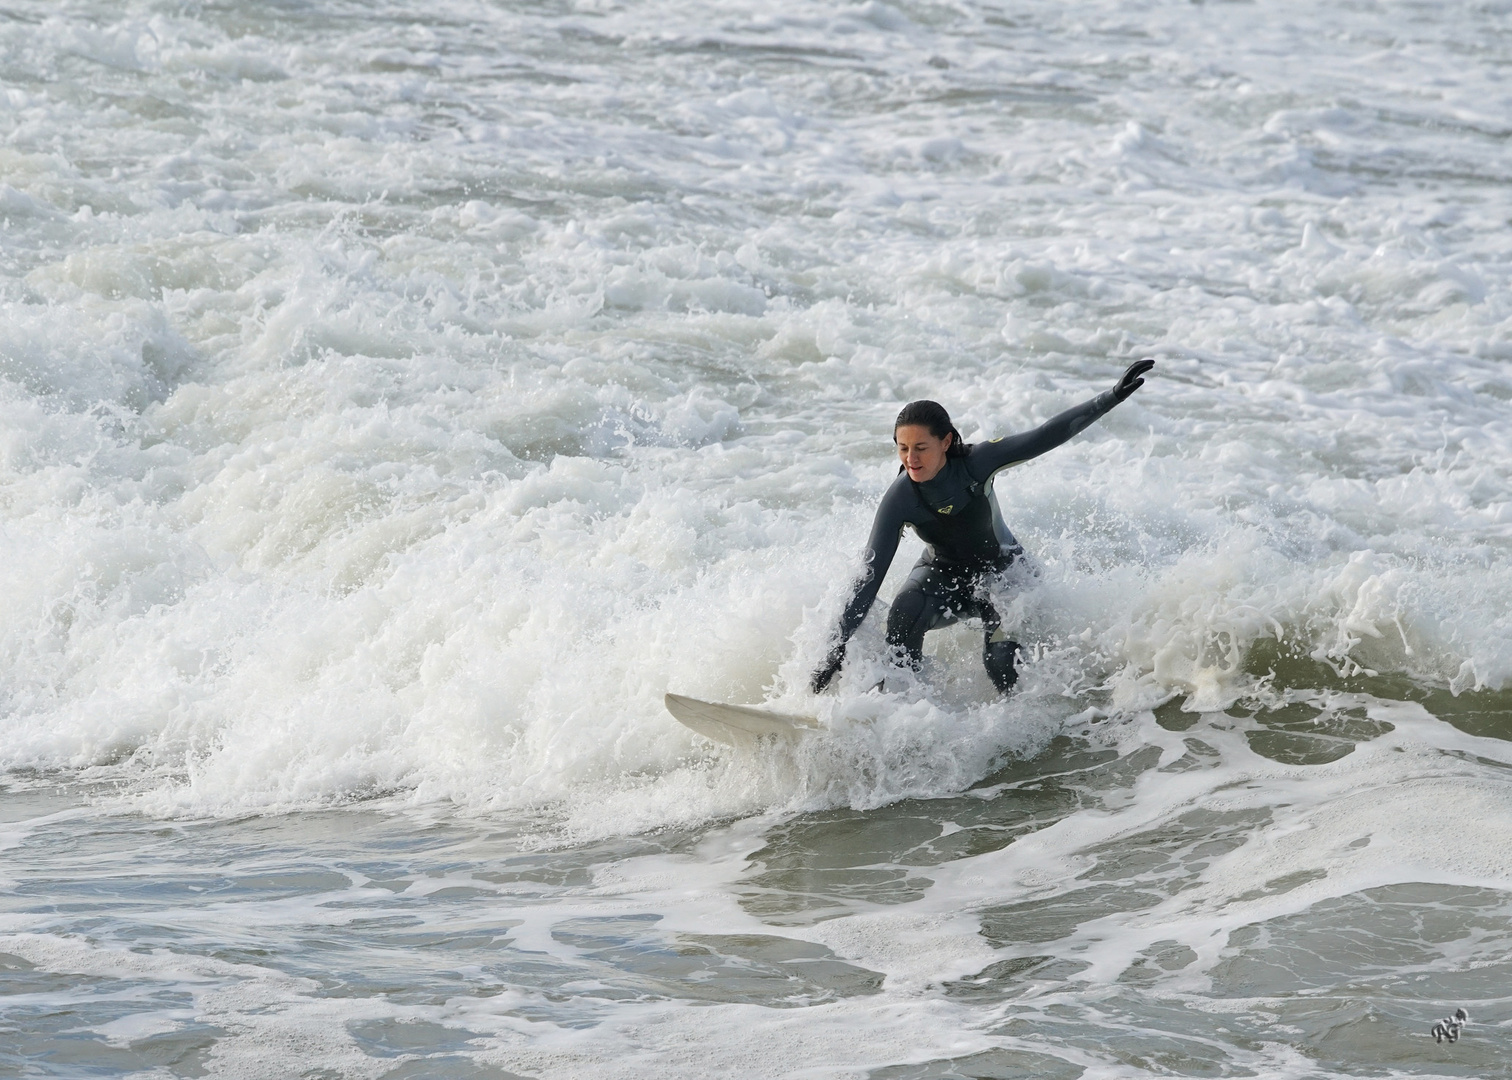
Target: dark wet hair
[932, 415]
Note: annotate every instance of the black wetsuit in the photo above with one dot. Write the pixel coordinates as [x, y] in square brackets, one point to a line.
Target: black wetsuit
[966, 542]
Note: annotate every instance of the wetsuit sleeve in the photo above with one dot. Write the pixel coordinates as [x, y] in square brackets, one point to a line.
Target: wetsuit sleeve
[988, 457]
[880, 549]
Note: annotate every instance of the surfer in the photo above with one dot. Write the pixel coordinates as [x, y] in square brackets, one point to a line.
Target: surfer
[944, 491]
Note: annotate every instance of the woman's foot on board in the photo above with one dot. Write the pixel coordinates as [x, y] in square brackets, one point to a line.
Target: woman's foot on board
[1001, 659]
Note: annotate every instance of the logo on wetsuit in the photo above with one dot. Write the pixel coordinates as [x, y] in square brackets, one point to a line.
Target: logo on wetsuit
[947, 509]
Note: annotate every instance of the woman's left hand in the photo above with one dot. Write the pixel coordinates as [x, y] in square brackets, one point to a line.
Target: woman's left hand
[1132, 380]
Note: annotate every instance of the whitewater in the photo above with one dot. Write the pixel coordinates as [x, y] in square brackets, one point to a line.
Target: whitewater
[397, 400]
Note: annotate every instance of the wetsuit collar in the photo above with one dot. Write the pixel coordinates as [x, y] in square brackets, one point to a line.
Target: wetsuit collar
[948, 492]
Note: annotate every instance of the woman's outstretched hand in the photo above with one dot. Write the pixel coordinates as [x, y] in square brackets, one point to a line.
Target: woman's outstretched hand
[1132, 379]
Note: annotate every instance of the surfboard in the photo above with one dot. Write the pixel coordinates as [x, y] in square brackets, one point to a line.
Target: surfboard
[735, 725]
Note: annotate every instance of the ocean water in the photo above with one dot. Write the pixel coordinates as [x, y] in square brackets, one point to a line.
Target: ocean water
[397, 399]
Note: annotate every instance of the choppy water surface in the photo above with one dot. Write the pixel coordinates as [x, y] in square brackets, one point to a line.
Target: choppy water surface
[396, 400]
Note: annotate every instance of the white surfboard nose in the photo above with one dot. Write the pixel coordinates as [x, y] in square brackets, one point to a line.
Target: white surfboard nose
[735, 725]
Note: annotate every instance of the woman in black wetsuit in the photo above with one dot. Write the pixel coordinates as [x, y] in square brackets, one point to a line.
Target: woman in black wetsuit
[944, 490]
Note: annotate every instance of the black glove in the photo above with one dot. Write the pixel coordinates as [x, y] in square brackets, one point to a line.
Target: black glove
[830, 669]
[1131, 380]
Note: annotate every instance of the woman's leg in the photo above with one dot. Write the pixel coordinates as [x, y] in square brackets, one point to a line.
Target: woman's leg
[998, 653]
[932, 598]
[928, 600]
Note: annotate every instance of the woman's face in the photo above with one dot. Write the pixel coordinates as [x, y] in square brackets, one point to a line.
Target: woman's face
[921, 453]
